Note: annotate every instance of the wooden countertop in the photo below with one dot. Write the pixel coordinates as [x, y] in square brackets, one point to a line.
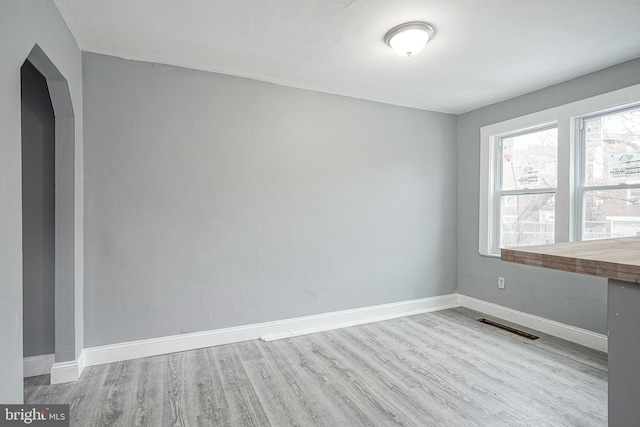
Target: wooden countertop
[611, 258]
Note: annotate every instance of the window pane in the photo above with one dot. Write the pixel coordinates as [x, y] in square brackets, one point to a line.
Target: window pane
[611, 213]
[527, 220]
[530, 160]
[612, 149]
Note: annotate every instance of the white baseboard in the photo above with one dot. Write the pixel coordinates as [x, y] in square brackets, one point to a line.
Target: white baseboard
[64, 372]
[551, 327]
[359, 316]
[37, 365]
[267, 331]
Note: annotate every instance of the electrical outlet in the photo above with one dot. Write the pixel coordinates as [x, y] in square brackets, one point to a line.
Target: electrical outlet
[501, 282]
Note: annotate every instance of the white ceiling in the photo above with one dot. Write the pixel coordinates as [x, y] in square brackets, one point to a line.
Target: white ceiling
[484, 51]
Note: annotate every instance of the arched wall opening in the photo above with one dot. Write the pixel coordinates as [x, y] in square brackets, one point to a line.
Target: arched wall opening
[64, 204]
[38, 221]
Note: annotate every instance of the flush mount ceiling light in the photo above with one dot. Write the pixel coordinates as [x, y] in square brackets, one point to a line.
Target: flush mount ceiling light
[409, 38]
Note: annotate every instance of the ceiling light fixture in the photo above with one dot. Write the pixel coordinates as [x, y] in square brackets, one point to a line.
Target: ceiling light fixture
[409, 38]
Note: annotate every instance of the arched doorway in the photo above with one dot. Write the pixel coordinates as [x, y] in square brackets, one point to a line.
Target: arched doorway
[63, 216]
[38, 222]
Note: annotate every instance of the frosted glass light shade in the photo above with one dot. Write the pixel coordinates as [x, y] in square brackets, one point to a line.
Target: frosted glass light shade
[409, 38]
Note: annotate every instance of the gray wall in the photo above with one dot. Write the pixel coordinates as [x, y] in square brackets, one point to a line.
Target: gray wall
[568, 298]
[24, 23]
[38, 213]
[214, 201]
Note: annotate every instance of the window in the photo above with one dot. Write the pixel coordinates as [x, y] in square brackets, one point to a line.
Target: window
[568, 173]
[526, 187]
[610, 161]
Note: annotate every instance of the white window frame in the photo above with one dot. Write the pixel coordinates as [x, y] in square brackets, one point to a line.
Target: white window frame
[568, 118]
[499, 165]
[583, 188]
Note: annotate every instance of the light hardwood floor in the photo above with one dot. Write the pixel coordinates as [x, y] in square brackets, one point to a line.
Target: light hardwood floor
[436, 369]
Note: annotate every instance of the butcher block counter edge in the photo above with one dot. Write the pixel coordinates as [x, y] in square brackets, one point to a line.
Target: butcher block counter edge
[610, 258]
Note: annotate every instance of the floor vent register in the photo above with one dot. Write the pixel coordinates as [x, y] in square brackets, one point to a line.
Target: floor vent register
[508, 329]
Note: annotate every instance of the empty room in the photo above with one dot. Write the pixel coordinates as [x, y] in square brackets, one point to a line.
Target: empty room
[319, 212]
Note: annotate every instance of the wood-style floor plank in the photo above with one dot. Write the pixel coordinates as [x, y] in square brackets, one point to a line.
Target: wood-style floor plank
[84, 396]
[450, 389]
[324, 386]
[212, 404]
[281, 405]
[435, 369]
[312, 391]
[243, 401]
